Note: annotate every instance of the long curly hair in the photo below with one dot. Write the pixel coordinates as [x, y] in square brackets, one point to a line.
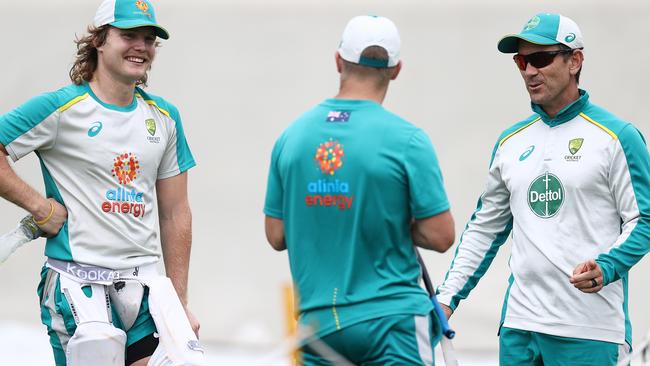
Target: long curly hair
[85, 63]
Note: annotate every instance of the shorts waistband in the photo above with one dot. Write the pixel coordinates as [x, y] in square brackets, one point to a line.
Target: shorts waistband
[85, 273]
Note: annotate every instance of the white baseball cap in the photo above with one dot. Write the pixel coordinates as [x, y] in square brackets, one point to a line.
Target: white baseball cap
[369, 30]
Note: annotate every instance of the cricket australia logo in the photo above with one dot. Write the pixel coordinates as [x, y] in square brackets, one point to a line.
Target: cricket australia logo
[532, 23]
[150, 124]
[574, 147]
[546, 195]
[143, 6]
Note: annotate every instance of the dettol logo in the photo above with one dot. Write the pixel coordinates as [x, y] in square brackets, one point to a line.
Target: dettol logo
[546, 195]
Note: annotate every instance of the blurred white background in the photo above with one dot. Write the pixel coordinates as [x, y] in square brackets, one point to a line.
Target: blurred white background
[241, 71]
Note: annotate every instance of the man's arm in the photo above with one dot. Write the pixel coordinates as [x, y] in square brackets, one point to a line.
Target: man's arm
[14, 189]
[175, 219]
[435, 232]
[275, 233]
[175, 230]
[629, 177]
[487, 230]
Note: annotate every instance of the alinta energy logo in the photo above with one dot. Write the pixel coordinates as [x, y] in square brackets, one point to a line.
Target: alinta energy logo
[546, 195]
[329, 192]
[121, 199]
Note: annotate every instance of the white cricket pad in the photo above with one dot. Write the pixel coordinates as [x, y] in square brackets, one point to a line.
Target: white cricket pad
[95, 341]
[178, 345]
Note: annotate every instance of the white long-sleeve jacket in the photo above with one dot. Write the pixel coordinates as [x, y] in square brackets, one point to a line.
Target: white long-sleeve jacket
[570, 189]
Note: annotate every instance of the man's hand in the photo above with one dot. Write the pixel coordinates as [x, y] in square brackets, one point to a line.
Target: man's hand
[447, 310]
[194, 322]
[57, 214]
[587, 277]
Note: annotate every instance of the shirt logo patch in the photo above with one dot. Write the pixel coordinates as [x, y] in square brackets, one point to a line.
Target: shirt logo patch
[329, 156]
[94, 129]
[329, 192]
[529, 150]
[150, 124]
[143, 6]
[574, 147]
[338, 116]
[126, 168]
[123, 199]
[532, 23]
[546, 195]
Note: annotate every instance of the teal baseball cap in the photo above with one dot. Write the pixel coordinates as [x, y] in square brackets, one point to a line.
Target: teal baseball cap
[127, 14]
[544, 29]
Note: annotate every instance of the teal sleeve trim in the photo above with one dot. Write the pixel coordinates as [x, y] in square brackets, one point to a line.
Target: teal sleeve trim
[618, 261]
[183, 153]
[27, 116]
[504, 307]
[58, 246]
[483, 266]
[485, 263]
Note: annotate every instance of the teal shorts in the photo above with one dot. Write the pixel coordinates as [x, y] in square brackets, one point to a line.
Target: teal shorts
[57, 316]
[521, 347]
[406, 340]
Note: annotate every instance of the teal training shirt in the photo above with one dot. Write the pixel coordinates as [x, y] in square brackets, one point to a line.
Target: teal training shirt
[346, 178]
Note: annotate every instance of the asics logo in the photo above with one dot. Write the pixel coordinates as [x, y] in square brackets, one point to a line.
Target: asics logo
[94, 129]
[527, 153]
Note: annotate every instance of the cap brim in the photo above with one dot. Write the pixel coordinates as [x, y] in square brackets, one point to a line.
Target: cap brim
[130, 24]
[510, 43]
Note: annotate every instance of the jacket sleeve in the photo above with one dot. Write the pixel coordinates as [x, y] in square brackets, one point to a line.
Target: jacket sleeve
[629, 182]
[486, 231]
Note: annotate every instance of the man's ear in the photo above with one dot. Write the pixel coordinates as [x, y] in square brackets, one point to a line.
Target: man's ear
[396, 70]
[577, 58]
[339, 62]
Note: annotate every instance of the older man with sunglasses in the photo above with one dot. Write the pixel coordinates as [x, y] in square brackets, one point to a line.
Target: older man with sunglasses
[572, 184]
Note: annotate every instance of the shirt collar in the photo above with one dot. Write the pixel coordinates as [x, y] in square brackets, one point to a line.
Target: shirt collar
[567, 113]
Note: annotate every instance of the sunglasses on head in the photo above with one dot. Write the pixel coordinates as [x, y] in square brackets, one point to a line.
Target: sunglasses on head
[537, 59]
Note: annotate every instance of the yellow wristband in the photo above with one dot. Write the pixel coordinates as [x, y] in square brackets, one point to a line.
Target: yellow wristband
[45, 220]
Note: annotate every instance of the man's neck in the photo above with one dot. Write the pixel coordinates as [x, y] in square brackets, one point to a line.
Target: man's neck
[553, 108]
[112, 91]
[351, 89]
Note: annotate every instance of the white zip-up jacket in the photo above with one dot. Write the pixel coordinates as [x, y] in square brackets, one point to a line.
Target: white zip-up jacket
[570, 189]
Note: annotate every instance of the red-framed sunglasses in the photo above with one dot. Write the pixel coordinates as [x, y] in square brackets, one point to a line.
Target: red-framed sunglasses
[537, 59]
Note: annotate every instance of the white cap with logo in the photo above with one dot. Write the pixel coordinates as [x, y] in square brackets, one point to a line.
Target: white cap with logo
[369, 30]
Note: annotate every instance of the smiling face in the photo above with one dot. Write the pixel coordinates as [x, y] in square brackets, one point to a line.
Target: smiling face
[127, 54]
[553, 86]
